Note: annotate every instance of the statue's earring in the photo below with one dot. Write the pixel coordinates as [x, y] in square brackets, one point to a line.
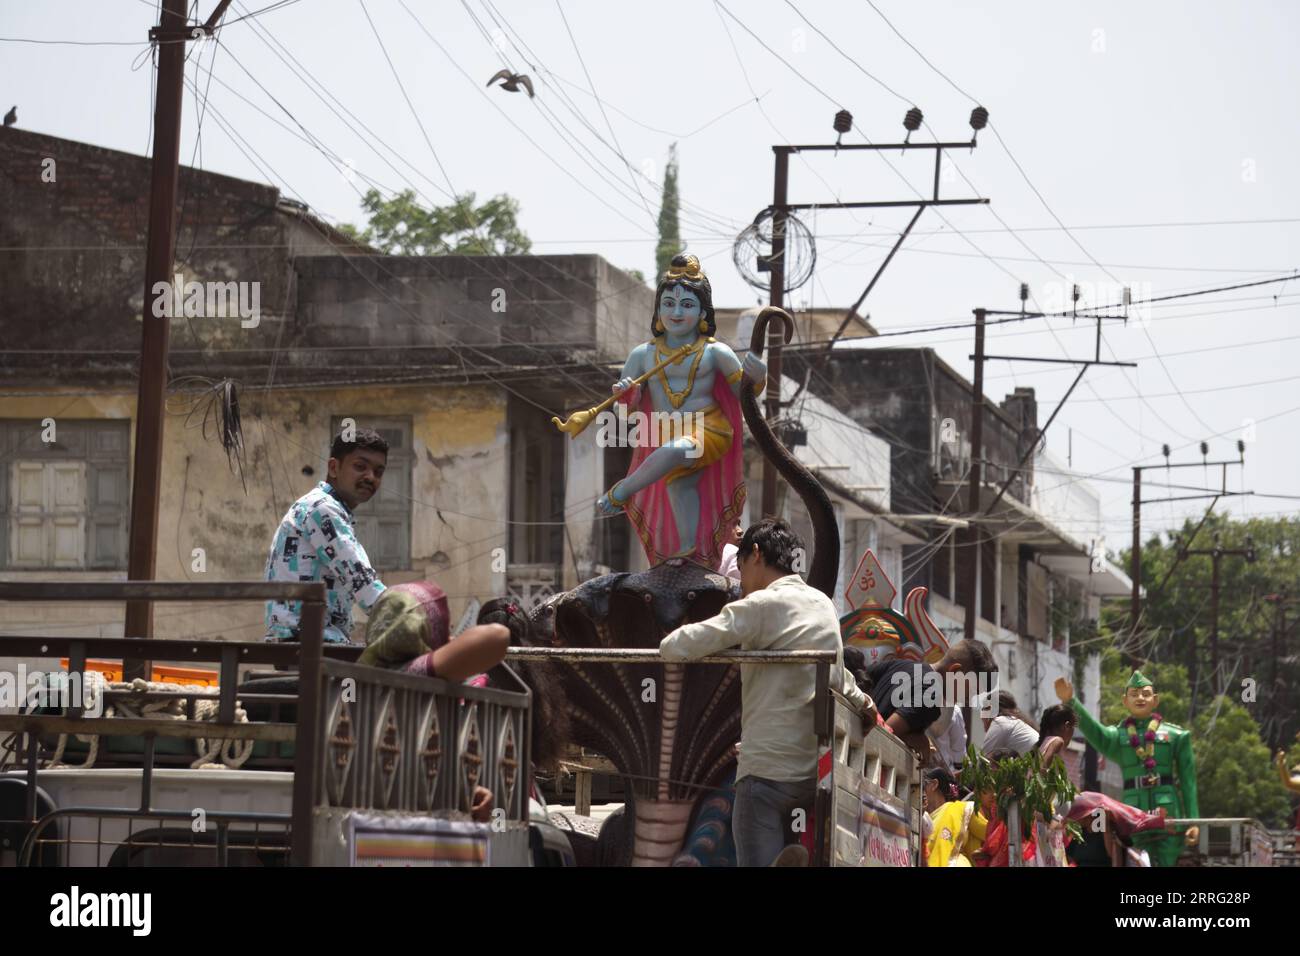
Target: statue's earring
[704, 325]
[658, 327]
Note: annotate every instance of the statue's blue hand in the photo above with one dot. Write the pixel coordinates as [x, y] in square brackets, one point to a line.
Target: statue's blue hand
[626, 390]
[755, 367]
[608, 507]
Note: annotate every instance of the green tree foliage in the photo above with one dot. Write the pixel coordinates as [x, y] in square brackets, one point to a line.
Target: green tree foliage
[1176, 615]
[1235, 775]
[670, 231]
[400, 226]
[1235, 734]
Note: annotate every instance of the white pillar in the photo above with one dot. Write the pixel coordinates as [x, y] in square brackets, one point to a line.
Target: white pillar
[997, 585]
[584, 468]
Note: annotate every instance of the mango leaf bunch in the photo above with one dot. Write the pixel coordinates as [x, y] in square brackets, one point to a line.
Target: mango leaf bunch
[1024, 781]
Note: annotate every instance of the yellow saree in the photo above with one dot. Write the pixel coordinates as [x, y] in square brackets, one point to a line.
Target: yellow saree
[958, 831]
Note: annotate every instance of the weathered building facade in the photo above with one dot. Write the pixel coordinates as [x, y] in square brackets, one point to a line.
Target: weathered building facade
[458, 361]
[1041, 569]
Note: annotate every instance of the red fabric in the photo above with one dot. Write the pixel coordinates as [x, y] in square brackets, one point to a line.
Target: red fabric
[1126, 820]
[721, 488]
[995, 851]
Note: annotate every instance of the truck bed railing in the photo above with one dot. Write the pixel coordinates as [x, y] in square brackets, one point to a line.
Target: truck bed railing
[364, 738]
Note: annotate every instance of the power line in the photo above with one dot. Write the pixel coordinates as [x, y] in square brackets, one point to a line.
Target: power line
[694, 215]
[1052, 213]
[411, 106]
[822, 256]
[257, 13]
[86, 42]
[587, 73]
[329, 154]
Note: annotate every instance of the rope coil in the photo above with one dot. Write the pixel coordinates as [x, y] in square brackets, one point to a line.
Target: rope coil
[214, 753]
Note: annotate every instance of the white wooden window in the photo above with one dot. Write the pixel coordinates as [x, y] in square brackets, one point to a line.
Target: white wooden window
[64, 501]
[47, 528]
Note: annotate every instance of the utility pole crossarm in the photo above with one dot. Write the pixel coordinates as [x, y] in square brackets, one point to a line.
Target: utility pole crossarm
[782, 207]
[1135, 555]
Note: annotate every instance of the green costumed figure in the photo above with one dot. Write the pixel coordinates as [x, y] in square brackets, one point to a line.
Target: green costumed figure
[1155, 759]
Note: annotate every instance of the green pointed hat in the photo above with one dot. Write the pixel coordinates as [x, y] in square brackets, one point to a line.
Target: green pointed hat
[1137, 680]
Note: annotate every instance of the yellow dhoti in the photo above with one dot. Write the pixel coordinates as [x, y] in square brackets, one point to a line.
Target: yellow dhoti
[708, 430]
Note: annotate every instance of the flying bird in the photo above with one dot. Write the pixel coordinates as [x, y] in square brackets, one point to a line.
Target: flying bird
[512, 81]
[12, 116]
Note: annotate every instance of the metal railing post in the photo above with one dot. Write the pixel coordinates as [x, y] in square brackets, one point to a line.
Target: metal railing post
[307, 743]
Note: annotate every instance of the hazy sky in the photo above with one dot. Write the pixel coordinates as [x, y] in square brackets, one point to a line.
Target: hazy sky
[1163, 134]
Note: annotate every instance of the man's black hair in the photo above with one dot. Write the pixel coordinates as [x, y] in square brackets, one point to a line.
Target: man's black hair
[366, 438]
[975, 657]
[855, 662]
[776, 542]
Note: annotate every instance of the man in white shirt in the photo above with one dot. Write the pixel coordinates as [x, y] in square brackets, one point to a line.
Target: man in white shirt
[776, 774]
[948, 734]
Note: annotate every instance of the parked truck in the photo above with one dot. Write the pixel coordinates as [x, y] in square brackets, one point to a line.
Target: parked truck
[324, 761]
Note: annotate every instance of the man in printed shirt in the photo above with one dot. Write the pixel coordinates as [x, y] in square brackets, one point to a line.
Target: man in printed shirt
[316, 541]
[777, 770]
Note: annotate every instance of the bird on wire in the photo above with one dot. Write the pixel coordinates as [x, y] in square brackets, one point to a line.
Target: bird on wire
[511, 82]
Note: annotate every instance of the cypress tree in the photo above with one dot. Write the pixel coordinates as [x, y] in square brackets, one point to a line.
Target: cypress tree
[670, 235]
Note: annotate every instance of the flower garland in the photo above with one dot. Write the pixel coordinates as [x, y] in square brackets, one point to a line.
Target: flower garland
[1145, 751]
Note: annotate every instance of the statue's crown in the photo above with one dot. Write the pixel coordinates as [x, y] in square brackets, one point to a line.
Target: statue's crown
[688, 269]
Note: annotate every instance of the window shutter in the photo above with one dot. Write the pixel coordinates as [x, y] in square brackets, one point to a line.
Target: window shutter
[27, 515]
[63, 504]
[108, 496]
[67, 522]
[48, 524]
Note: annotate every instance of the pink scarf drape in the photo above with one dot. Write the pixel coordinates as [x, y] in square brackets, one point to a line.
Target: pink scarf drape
[721, 488]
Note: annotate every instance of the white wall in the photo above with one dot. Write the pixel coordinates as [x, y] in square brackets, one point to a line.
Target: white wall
[1066, 500]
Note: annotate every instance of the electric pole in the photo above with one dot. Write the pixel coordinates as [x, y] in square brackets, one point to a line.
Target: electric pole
[1280, 603]
[976, 477]
[776, 330]
[977, 434]
[171, 35]
[1216, 554]
[781, 209]
[1135, 553]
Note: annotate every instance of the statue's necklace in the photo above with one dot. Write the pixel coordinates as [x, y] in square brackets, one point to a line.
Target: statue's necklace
[679, 398]
[1145, 751]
